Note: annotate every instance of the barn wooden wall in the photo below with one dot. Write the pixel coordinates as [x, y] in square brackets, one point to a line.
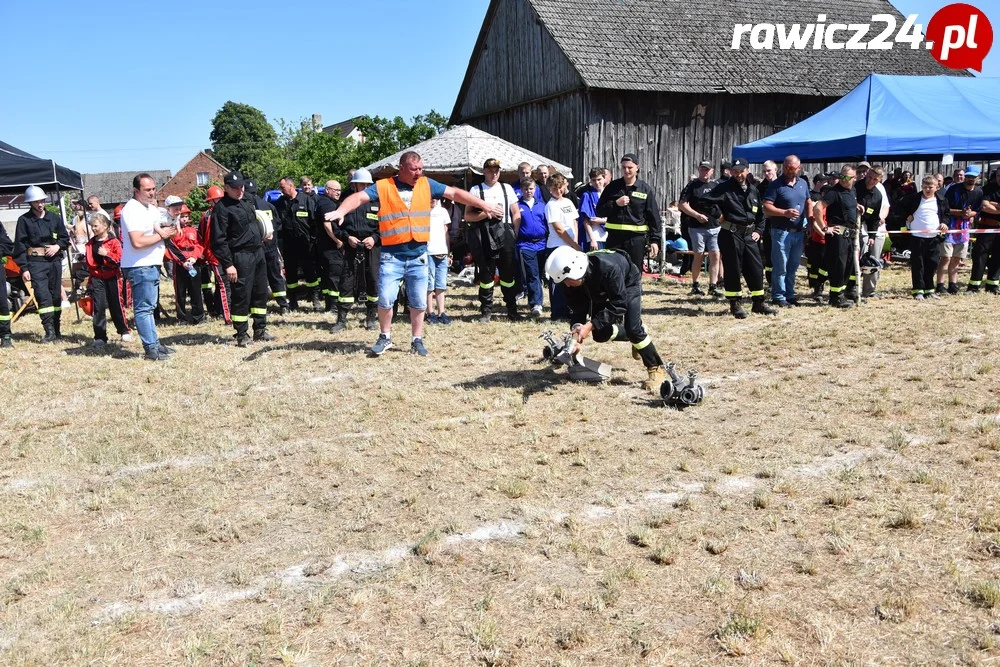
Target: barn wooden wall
[672, 132]
[518, 62]
[553, 128]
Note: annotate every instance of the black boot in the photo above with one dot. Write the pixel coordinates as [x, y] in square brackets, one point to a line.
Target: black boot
[839, 301]
[317, 301]
[331, 304]
[512, 313]
[50, 332]
[761, 308]
[341, 321]
[371, 317]
[736, 308]
[6, 341]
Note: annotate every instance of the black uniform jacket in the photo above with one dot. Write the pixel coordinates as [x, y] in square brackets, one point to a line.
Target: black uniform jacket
[360, 223]
[872, 202]
[297, 216]
[234, 228]
[737, 206]
[641, 210]
[610, 281]
[6, 245]
[34, 232]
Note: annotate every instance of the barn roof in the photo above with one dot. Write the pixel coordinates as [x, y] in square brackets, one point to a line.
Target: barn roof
[116, 186]
[685, 45]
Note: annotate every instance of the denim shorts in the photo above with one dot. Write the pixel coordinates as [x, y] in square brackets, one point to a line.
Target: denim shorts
[394, 268]
[437, 272]
[703, 239]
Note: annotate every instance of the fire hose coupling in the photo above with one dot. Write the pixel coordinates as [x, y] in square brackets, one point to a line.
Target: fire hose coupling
[679, 393]
[581, 368]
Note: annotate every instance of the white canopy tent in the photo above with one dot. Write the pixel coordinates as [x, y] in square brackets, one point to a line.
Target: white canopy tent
[461, 151]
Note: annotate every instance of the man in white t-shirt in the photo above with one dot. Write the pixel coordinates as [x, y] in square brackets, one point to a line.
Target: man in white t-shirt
[142, 254]
[491, 241]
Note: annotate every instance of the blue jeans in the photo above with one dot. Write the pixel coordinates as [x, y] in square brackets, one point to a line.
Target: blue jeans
[145, 282]
[786, 254]
[532, 263]
[394, 267]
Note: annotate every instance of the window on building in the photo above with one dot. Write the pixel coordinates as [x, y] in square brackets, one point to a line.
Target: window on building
[202, 178]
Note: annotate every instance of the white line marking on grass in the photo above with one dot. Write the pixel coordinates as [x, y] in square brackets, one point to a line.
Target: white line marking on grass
[20, 485]
[179, 463]
[310, 574]
[305, 574]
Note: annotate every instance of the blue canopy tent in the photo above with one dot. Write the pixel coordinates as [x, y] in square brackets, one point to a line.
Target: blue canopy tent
[919, 117]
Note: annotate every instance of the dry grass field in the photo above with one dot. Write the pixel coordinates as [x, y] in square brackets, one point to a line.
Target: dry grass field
[834, 501]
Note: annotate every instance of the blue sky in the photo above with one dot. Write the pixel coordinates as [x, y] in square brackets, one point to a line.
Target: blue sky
[116, 89]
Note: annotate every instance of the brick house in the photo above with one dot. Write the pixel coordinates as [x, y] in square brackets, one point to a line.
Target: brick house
[202, 169]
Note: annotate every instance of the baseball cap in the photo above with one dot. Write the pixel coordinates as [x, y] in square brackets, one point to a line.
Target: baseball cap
[250, 186]
[705, 163]
[864, 164]
[726, 164]
[630, 157]
[973, 170]
[234, 179]
[492, 163]
[172, 200]
[740, 164]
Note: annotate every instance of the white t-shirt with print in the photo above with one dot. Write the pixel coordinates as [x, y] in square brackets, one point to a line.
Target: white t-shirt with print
[494, 195]
[563, 211]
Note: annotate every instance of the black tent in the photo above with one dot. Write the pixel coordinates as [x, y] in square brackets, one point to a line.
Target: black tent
[18, 170]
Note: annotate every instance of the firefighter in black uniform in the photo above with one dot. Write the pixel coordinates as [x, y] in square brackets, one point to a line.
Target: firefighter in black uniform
[836, 215]
[986, 249]
[237, 241]
[39, 243]
[742, 219]
[604, 294]
[869, 212]
[6, 250]
[330, 250]
[297, 213]
[272, 257]
[359, 234]
[633, 216]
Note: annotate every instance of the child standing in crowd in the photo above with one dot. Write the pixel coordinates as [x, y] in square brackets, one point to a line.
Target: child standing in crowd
[186, 253]
[927, 217]
[104, 254]
[437, 265]
[531, 235]
[561, 216]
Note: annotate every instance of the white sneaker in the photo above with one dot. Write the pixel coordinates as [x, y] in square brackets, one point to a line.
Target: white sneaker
[66, 304]
[97, 342]
[127, 338]
[536, 311]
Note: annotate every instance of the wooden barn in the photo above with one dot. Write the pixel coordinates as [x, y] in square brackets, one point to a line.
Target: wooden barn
[586, 81]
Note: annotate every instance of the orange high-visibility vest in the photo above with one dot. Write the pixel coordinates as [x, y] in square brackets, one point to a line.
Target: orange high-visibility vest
[398, 224]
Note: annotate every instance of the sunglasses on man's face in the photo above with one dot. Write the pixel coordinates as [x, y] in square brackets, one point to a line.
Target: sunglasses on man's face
[847, 178]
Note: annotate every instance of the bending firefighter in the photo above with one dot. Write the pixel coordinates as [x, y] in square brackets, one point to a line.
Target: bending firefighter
[604, 293]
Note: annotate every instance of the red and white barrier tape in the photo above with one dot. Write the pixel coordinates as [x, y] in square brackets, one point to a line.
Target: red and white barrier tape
[988, 230]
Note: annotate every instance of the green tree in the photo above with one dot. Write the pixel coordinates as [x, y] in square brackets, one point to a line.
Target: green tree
[383, 137]
[243, 139]
[197, 201]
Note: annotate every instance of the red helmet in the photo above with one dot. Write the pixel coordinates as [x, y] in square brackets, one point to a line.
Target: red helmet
[214, 192]
[118, 212]
[87, 305]
[185, 209]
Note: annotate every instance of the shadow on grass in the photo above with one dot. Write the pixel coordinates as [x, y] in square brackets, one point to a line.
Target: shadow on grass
[112, 350]
[529, 381]
[333, 347]
[195, 338]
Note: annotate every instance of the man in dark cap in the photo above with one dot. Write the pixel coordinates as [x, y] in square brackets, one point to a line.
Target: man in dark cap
[237, 241]
[633, 216]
